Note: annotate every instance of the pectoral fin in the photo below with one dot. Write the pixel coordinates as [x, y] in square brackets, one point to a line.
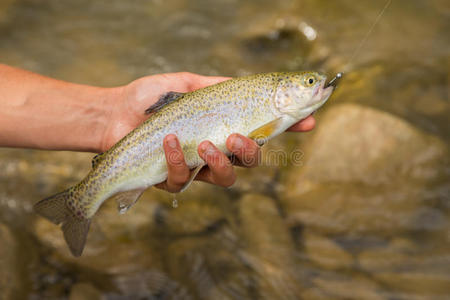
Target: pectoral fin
[193, 175]
[263, 133]
[163, 101]
[125, 200]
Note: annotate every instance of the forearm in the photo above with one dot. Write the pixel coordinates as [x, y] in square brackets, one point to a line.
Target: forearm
[44, 113]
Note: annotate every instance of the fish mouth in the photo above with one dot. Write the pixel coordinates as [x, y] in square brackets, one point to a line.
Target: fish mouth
[326, 91]
[323, 91]
[321, 94]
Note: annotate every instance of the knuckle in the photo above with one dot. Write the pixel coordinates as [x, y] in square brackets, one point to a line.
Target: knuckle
[229, 181]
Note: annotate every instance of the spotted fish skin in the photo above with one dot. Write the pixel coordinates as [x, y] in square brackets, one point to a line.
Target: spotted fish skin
[262, 104]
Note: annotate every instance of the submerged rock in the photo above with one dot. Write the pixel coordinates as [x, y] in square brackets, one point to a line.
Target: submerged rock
[365, 172]
[273, 42]
[407, 268]
[114, 240]
[84, 291]
[5, 10]
[192, 212]
[326, 253]
[208, 266]
[359, 144]
[268, 249]
[10, 278]
[341, 287]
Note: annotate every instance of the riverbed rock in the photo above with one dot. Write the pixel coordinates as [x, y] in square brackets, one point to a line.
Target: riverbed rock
[114, 240]
[268, 249]
[423, 284]
[364, 172]
[271, 41]
[208, 265]
[10, 279]
[397, 254]
[84, 291]
[362, 144]
[6, 10]
[193, 211]
[341, 287]
[409, 268]
[326, 253]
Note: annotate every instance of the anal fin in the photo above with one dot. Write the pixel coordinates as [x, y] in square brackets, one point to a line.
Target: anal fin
[163, 101]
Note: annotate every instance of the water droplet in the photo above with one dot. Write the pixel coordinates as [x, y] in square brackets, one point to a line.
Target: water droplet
[123, 208]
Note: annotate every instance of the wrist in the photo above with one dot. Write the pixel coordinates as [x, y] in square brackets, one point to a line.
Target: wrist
[44, 113]
[97, 119]
[104, 119]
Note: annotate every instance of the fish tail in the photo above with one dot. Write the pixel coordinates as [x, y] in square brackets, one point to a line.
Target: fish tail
[75, 228]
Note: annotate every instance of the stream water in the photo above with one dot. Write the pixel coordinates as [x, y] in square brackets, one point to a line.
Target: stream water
[364, 214]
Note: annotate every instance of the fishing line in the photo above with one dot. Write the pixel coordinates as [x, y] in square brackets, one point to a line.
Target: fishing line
[364, 40]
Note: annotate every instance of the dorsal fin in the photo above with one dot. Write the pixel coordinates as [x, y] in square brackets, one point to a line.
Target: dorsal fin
[163, 101]
[96, 159]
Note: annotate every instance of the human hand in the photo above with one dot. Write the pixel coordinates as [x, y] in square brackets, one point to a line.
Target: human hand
[128, 112]
[128, 108]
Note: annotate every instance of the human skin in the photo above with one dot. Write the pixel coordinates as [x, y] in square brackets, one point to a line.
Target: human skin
[44, 113]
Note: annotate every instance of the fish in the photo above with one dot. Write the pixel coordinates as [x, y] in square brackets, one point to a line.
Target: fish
[259, 106]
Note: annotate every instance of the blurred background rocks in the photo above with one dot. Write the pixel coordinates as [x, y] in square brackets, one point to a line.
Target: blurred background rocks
[359, 208]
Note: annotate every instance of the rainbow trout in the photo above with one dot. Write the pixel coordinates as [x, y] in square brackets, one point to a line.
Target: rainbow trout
[258, 106]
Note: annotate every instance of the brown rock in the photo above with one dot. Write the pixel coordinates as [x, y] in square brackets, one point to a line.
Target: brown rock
[364, 172]
[399, 253]
[425, 284]
[114, 240]
[5, 7]
[84, 291]
[10, 279]
[268, 249]
[324, 252]
[356, 143]
[195, 210]
[349, 288]
[408, 268]
[209, 265]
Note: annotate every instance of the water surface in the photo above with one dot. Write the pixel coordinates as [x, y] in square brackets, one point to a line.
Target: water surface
[365, 215]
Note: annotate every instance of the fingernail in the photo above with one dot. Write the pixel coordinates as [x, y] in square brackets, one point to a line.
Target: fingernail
[172, 142]
[210, 149]
[238, 143]
[207, 148]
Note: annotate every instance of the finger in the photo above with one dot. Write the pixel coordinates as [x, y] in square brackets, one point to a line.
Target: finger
[178, 171]
[245, 149]
[220, 170]
[304, 125]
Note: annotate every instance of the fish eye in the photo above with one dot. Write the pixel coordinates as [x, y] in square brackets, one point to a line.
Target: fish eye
[310, 80]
